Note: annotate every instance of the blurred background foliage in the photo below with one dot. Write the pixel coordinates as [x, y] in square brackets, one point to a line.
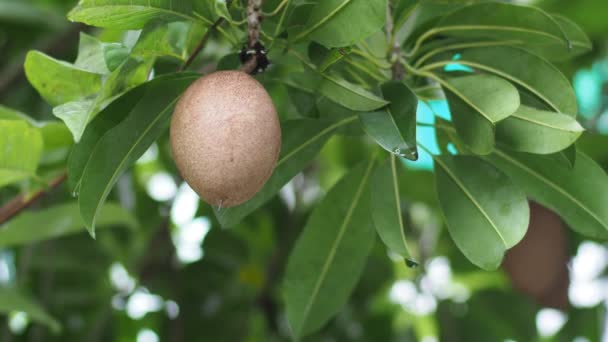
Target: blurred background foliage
[170, 273]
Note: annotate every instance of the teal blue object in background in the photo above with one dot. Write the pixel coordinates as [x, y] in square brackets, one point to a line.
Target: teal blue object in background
[457, 66]
[426, 135]
[588, 89]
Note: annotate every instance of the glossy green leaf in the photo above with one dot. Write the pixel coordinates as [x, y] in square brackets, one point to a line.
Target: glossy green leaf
[20, 151]
[580, 42]
[99, 57]
[333, 57]
[302, 141]
[59, 82]
[7, 113]
[477, 103]
[13, 299]
[386, 208]
[211, 10]
[394, 127]
[108, 118]
[165, 39]
[57, 221]
[55, 135]
[536, 131]
[578, 194]
[122, 145]
[532, 73]
[129, 14]
[349, 95]
[528, 26]
[329, 256]
[340, 23]
[485, 212]
[77, 114]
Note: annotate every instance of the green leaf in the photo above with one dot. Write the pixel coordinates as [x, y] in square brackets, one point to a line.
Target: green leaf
[7, 113]
[485, 212]
[122, 145]
[477, 103]
[21, 148]
[302, 141]
[98, 57]
[77, 114]
[55, 135]
[211, 10]
[386, 209]
[579, 41]
[349, 95]
[129, 14]
[59, 82]
[578, 194]
[529, 27]
[536, 131]
[394, 128]
[160, 39]
[57, 221]
[531, 73]
[330, 254]
[108, 118]
[334, 56]
[340, 23]
[13, 299]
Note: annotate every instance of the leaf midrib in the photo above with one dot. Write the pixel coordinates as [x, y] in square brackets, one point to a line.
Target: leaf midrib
[499, 73]
[334, 246]
[158, 9]
[123, 160]
[552, 185]
[354, 91]
[315, 137]
[505, 28]
[398, 205]
[323, 20]
[472, 199]
[540, 123]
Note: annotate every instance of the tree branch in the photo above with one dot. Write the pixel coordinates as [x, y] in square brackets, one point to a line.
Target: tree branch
[21, 202]
[201, 44]
[397, 69]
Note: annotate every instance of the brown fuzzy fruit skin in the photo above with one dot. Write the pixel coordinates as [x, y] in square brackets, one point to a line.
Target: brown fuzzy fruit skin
[538, 265]
[225, 137]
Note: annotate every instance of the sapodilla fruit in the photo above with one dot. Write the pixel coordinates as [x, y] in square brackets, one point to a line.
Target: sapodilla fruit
[225, 137]
[538, 264]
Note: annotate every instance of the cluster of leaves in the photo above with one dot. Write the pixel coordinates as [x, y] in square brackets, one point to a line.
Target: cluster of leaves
[511, 136]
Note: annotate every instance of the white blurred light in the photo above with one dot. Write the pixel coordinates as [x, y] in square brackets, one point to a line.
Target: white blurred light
[438, 277]
[587, 286]
[425, 304]
[188, 238]
[589, 262]
[17, 322]
[402, 292]
[120, 279]
[587, 293]
[582, 339]
[185, 205]
[288, 195]
[429, 339]
[161, 187]
[549, 322]
[172, 309]
[147, 335]
[118, 302]
[7, 267]
[142, 302]
[150, 155]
